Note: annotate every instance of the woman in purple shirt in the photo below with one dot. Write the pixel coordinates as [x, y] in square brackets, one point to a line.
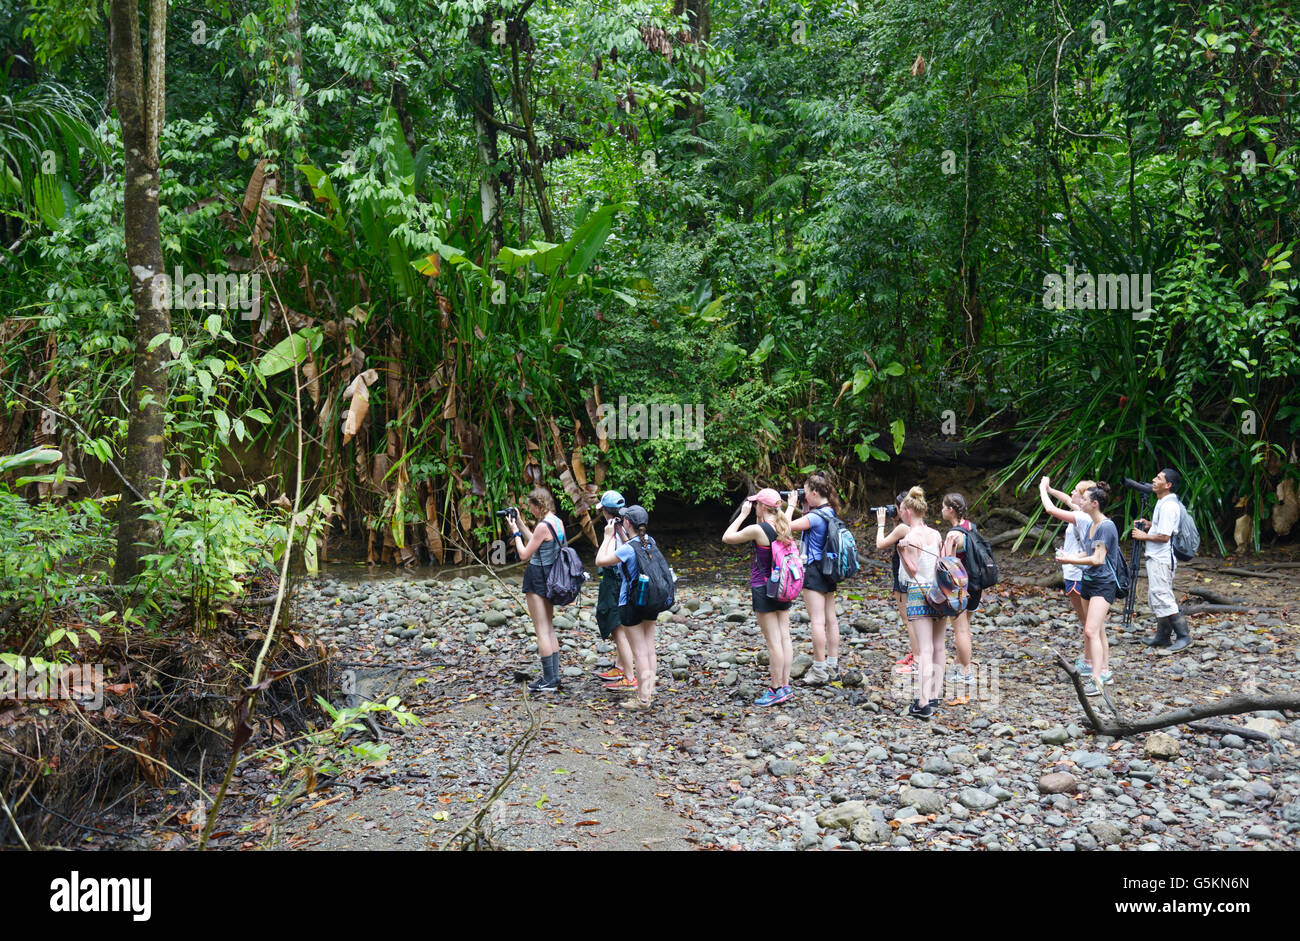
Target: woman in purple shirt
[773, 616]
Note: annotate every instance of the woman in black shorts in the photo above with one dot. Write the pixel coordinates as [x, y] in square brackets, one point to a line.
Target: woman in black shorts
[1101, 544]
[906, 665]
[820, 502]
[539, 548]
[773, 616]
[953, 512]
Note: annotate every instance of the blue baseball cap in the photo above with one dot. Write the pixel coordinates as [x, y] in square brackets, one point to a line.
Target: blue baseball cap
[612, 500]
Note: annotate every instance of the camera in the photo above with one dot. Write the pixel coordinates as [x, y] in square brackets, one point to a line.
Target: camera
[510, 513]
[1145, 527]
[798, 493]
[890, 510]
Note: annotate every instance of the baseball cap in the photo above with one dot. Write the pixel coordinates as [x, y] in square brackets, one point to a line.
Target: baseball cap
[767, 496]
[636, 516]
[611, 500]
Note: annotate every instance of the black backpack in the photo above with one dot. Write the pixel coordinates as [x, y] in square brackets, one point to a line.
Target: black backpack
[564, 581]
[1119, 568]
[981, 567]
[661, 586]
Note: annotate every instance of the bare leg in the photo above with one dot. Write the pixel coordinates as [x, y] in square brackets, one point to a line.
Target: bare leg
[923, 628]
[540, 610]
[832, 627]
[815, 601]
[961, 639]
[645, 659]
[1095, 636]
[769, 625]
[624, 659]
[940, 653]
[787, 648]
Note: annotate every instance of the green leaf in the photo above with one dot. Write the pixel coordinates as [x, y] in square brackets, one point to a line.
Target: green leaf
[289, 352]
[897, 429]
[223, 424]
[55, 636]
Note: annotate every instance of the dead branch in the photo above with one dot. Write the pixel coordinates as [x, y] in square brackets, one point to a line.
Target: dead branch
[1235, 705]
[1213, 596]
[1221, 728]
[1227, 608]
[1038, 532]
[1247, 573]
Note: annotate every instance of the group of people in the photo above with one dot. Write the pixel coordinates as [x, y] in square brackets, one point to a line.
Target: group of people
[1088, 561]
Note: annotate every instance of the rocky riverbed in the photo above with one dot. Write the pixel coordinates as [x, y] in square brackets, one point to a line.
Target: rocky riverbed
[840, 766]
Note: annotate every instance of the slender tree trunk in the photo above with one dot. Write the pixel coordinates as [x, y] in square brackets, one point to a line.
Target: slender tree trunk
[140, 109]
[485, 132]
[520, 89]
[699, 18]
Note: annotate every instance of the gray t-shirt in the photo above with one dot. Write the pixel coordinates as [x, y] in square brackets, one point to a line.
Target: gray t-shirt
[1108, 536]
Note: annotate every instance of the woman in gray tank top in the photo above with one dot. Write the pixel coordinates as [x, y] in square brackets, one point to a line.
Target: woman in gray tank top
[540, 547]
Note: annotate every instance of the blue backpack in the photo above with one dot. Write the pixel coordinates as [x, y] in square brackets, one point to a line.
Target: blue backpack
[839, 550]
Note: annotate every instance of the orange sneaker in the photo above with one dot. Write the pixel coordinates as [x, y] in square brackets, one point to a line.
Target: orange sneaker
[614, 674]
[626, 683]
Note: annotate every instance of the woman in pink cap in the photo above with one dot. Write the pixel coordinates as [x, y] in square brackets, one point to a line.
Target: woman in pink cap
[773, 616]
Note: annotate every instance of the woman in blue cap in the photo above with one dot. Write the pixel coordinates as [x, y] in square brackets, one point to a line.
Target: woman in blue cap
[623, 675]
[637, 624]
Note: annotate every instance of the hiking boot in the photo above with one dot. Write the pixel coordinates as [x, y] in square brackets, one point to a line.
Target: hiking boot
[1183, 637]
[544, 684]
[817, 676]
[1161, 637]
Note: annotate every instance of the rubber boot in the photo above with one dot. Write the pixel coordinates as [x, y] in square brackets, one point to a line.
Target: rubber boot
[1183, 637]
[1161, 636]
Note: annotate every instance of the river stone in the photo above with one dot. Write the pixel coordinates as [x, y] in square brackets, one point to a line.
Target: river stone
[1061, 782]
[925, 801]
[494, 618]
[976, 799]
[1104, 832]
[1270, 727]
[844, 816]
[1054, 736]
[1232, 741]
[923, 779]
[782, 767]
[872, 831]
[1160, 745]
[799, 666]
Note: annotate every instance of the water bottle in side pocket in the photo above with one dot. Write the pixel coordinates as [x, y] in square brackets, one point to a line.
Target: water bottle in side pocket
[642, 583]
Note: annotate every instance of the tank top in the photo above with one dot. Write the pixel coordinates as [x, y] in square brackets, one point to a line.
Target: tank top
[925, 566]
[548, 551]
[761, 570]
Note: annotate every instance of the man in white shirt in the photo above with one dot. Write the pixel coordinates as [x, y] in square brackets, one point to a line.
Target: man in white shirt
[1161, 563]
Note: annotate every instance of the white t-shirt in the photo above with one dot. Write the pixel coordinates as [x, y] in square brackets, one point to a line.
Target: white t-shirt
[1164, 521]
[1073, 545]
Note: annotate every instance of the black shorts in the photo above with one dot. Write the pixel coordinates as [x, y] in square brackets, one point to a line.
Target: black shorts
[765, 605]
[535, 579]
[629, 615]
[973, 599]
[815, 580]
[1090, 589]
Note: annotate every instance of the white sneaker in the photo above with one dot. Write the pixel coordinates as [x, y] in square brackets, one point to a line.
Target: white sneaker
[817, 676]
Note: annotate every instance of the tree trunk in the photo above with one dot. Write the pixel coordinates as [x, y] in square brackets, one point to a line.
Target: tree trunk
[520, 91]
[140, 109]
[485, 132]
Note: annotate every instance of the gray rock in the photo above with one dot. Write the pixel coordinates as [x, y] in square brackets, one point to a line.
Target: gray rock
[937, 766]
[844, 816]
[925, 801]
[976, 800]
[782, 767]
[1054, 736]
[799, 666]
[1106, 833]
[876, 753]
[872, 832]
[923, 779]
[1291, 812]
[494, 618]
[1232, 741]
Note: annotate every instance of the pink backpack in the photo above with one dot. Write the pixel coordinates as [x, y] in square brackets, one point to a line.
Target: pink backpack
[787, 571]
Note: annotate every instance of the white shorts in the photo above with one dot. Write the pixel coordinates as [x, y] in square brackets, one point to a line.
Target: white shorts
[1160, 588]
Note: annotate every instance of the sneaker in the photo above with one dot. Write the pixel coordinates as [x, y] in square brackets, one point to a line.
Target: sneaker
[933, 704]
[914, 707]
[1090, 688]
[769, 698]
[543, 685]
[924, 712]
[610, 675]
[903, 662]
[1108, 678]
[634, 705]
[906, 669]
[784, 694]
[626, 683]
[957, 676]
[1082, 665]
[816, 676]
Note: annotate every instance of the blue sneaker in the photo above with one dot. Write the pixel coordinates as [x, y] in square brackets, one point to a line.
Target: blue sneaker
[768, 698]
[783, 694]
[1108, 678]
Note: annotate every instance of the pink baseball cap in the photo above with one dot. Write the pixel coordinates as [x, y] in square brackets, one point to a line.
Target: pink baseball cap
[767, 496]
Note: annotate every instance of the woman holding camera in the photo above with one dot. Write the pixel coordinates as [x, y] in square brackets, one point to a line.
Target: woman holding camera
[906, 665]
[622, 677]
[1100, 540]
[919, 553]
[1077, 520]
[639, 629]
[818, 502]
[773, 616]
[953, 511]
[539, 548]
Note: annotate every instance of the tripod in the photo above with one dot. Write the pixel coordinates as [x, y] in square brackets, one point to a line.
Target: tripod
[1131, 600]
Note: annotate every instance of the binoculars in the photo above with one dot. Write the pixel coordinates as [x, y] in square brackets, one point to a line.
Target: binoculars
[798, 493]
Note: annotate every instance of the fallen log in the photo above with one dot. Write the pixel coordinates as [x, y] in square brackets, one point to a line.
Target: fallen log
[1247, 573]
[1227, 608]
[1122, 728]
[1001, 539]
[1213, 596]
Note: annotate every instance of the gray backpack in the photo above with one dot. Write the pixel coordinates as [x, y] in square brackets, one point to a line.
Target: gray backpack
[1186, 540]
[567, 575]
